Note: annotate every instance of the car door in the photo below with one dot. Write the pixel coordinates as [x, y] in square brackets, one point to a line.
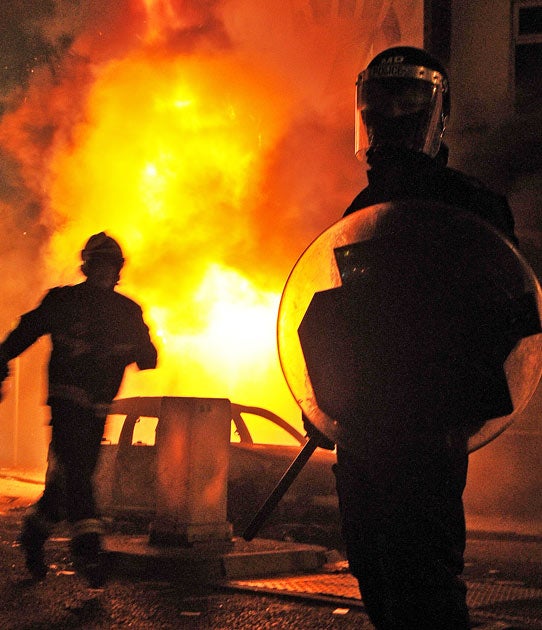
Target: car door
[135, 465]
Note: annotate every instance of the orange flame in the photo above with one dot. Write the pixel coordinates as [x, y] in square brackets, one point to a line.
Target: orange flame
[169, 160]
[214, 140]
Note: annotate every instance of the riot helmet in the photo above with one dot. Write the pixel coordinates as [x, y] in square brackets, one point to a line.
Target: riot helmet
[402, 100]
[101, 248]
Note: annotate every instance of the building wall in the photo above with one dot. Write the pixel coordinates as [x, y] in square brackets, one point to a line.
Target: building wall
[490, 140]
[480, 63]
[487, 137]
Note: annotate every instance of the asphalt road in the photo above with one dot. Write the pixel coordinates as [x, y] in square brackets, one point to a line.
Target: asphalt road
[504, 573]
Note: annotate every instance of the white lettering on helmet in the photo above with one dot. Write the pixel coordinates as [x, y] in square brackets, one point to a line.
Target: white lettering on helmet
[397, 59]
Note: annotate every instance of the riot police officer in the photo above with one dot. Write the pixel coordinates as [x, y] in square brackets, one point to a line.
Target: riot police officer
[401, 504]
[96, 333]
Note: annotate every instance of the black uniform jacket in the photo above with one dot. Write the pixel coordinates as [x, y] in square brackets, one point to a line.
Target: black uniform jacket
[95, 334]
[411, 362]
[406, 175]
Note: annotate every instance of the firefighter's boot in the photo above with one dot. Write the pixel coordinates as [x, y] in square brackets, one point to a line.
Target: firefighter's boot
[87, 553]
[35, 531]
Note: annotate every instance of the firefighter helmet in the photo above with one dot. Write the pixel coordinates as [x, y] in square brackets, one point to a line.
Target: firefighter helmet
[101, 247]
[402, 99]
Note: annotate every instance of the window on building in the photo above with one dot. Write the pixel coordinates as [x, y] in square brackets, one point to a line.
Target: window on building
[527, 53]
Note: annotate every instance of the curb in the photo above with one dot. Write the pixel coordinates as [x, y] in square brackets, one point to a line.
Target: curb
[213, 561]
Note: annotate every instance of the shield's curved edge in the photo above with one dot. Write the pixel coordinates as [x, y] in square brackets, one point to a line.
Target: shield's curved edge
[532, 349]
[340, 233]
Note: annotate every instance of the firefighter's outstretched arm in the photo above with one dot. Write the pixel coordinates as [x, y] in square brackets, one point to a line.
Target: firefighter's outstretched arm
[31, 326]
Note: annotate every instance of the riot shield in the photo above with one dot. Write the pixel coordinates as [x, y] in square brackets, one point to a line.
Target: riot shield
[411, 314]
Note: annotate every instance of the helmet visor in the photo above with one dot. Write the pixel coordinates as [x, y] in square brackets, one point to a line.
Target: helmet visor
[403, 110]
[395, 97]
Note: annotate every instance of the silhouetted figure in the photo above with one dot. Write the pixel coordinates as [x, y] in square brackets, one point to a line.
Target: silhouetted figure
[400, 495]
[96, 333]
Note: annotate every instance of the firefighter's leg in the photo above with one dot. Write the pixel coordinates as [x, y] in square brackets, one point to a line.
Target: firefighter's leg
[87, 553]
[78, 447]
[36, 529]
[52, 503]
[39, 521]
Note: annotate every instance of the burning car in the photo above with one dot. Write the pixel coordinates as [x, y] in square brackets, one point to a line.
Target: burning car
[262, 446]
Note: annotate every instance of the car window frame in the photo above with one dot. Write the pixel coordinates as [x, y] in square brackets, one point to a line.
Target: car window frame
[150, 409]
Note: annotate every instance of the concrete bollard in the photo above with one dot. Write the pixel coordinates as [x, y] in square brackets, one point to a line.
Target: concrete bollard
[192, 446]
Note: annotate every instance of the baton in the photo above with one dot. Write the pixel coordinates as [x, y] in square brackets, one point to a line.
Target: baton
[280, 489]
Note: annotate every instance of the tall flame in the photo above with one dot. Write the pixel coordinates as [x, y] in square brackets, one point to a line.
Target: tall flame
[169, 159]
[212, 139]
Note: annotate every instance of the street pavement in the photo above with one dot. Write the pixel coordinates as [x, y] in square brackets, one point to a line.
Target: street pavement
[259, 585]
